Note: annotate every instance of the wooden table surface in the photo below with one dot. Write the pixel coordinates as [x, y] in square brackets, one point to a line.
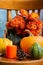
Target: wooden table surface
[5, 61]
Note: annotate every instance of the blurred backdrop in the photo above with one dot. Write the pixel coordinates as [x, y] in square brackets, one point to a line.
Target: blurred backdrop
[3, 19]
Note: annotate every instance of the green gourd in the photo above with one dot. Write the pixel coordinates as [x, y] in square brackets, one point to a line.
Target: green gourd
[36, 51]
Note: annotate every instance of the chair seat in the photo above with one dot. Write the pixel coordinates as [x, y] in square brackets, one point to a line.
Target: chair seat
[5, 61]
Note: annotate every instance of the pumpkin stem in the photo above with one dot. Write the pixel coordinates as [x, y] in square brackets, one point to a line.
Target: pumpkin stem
[29, 32]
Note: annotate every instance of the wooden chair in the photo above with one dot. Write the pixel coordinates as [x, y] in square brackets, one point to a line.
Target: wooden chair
[17, 5]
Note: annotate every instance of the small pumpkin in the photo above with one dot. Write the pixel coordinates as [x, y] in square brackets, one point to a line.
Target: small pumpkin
[36, 51]
[27, 42]
[3, 43]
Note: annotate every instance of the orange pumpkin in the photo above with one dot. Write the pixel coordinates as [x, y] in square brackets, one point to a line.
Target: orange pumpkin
[27, 42]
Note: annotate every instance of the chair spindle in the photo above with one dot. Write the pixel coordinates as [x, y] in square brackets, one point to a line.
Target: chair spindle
[8, 15]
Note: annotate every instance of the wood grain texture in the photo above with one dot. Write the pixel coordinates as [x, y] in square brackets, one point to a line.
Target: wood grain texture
[19, 4]
[4, 61]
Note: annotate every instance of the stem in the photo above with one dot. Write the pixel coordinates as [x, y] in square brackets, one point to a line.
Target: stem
[29, 32]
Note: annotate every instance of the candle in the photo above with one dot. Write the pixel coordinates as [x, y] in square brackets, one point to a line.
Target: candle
[11, 51]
